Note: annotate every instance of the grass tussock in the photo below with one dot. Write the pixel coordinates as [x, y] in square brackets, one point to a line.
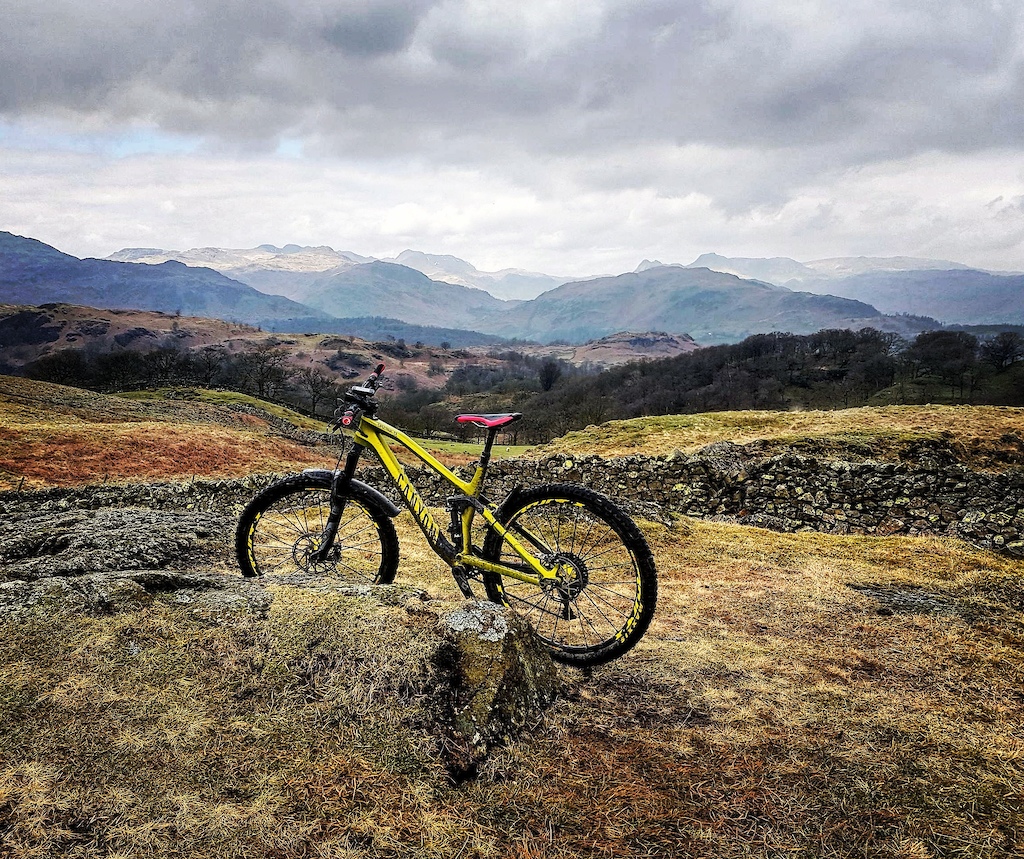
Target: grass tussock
[799, 695]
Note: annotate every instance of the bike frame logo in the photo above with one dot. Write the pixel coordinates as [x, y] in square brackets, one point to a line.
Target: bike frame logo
[418, 508]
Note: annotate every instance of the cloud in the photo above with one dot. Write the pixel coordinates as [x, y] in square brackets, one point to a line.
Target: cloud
[745, 120]
[868, 76]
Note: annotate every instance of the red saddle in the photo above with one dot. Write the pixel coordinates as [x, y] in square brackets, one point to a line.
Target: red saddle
[489, 421]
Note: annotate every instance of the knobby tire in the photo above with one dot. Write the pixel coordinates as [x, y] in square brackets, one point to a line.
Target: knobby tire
[280, 527]
[608, 600]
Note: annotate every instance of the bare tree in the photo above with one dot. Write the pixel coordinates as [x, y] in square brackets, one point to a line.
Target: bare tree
[208, 364]
[549, 373]
[264, 369]
[316, 385]
[1004, 349]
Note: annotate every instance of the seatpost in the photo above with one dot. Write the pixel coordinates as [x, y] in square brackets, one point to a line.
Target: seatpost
[485, 454]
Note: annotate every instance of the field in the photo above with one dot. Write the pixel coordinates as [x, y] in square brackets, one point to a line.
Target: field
[797, 695]
[980, 433]
[69, 437]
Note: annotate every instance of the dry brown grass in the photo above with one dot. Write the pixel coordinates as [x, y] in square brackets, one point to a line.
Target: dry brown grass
[868, 431]
[796, 695]
[49, 455]
[51, 435]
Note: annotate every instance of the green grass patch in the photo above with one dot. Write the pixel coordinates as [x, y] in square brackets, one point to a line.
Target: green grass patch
[473, 448]
[227, 398]
[985, 435]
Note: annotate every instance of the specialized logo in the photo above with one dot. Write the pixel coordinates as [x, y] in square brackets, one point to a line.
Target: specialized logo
[418, 508]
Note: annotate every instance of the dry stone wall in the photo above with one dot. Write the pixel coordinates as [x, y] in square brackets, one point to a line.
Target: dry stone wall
[788, 492]
[791, 492]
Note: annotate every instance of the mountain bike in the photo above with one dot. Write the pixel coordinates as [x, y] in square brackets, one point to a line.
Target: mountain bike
[564, 556]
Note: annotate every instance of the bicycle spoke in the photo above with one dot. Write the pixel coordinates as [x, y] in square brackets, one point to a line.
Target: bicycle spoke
[288, 533]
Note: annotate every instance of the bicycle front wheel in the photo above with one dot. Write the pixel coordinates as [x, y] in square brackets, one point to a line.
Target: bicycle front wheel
[281, 528]
[604, 599]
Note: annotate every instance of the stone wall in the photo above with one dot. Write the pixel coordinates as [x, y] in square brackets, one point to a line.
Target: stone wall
[786, 492]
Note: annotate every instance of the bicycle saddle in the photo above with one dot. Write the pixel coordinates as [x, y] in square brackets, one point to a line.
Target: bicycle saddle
[489, 421]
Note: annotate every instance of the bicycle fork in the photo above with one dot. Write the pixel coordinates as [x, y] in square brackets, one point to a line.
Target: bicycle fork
[340, 484]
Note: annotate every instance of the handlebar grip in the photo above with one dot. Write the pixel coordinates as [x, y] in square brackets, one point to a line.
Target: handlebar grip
[375, 375]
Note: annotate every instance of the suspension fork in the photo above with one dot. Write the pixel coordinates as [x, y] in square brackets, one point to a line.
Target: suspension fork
[340, 484]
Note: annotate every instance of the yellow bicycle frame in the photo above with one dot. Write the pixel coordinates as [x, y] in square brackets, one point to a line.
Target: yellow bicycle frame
[373, 432]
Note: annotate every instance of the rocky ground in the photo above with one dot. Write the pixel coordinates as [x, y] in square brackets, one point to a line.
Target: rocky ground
[488, 675]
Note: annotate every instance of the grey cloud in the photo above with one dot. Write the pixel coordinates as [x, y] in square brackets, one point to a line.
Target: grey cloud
[822, 86]
[372, 28]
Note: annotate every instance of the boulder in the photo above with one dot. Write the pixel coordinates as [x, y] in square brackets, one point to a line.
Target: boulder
[493, 681]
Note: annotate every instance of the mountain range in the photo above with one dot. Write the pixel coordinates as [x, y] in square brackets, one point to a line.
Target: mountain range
[35, 273]
[289, 270]
[715, 299]
[951, 292]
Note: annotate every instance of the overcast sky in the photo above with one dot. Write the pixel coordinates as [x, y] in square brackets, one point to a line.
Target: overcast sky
[552, 135]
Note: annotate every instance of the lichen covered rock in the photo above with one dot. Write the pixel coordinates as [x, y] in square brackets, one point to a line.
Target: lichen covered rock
[493, 681]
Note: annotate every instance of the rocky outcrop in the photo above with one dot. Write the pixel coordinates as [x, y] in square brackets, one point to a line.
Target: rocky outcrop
[494, 680]
[75, 542]
[470, 679]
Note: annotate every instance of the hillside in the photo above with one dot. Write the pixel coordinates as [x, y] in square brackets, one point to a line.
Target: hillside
[962, 296]
[27, 333]
[288, 270]
[34, 273]
[31, 334]
[618, 348]
[52, 435]
[711, 306]
[277, 271]
[948, 291]
[387, 289]
[786, 271]
[507, 284]
[797, 694]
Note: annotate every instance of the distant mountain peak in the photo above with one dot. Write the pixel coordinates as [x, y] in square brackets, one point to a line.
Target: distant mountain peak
[846, 266]
[506, 284]
[440, 264]
[34, 273]
[648, 264]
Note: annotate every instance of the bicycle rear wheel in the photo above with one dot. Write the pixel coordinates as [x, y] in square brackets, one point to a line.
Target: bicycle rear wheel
[281, 528]
[608, 590]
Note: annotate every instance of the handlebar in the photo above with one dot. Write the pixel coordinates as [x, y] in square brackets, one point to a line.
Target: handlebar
[373, 381]
[358, 399]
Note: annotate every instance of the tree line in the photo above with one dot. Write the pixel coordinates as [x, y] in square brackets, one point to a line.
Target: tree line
[833, 368]
[827, 370]
[263, 371]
